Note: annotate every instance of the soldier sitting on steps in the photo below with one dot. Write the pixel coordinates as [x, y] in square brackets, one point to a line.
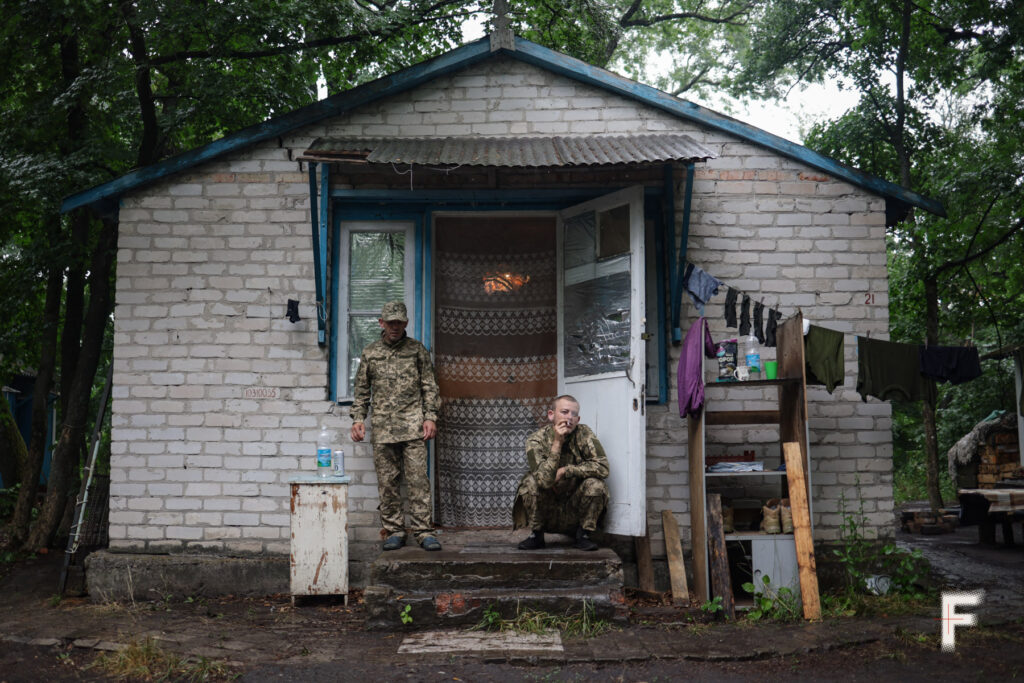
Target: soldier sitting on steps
[564, 491]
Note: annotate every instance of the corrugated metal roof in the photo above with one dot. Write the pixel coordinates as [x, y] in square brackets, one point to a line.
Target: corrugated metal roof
[525, 152]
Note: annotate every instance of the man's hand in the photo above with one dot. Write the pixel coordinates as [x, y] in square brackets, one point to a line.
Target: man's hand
[560, 474]
[358, 431]
[429, 430]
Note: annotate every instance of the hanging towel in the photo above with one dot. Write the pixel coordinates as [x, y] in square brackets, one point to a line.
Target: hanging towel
[955, 364]
[700, 286]
[745, 316]
[890, 371]
[823, 352]
[690, 374]
[758, 322]
[770, 328]
[730, 308]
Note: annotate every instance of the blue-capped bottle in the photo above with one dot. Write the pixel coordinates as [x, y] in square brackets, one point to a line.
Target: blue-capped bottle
[324, 447]
[752, 355]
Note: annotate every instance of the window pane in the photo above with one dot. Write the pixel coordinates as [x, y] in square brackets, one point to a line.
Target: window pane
[597, 327]
[580, 240]
[362, 330]
[614, 231]
[376, 269]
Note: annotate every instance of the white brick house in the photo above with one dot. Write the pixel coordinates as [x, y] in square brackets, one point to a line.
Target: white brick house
[218, 396]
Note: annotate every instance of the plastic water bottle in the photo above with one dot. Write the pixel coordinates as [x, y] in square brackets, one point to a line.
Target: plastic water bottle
[324, 442]
[752, 353]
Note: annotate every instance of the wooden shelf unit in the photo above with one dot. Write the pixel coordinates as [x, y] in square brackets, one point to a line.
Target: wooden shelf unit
[791, 418]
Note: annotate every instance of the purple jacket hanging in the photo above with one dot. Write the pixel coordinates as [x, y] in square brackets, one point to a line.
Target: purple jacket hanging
[690, 373]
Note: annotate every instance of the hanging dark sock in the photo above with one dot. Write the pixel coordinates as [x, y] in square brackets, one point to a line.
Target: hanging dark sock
[759, 321]
[769, 330]
[745, 316]
[730, 308]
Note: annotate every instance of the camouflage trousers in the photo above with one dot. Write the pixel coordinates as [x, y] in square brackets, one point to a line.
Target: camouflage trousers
[391, 461]
[562, 509]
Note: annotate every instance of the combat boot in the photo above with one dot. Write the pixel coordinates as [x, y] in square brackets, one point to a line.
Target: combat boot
[535, 541]
[583, 541]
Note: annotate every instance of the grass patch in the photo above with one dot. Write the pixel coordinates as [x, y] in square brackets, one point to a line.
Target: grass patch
[850, 604]
[147, 661]
[583, 624]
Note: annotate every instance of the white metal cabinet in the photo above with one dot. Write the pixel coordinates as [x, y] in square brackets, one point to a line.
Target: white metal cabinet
[319, 535]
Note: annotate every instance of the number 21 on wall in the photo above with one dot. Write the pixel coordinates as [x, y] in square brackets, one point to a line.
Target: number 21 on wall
[869, 298]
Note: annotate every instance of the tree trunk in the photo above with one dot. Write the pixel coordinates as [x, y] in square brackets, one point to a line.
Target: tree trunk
[65, 454]
[13, 454]
[931, 441]
[44, 379]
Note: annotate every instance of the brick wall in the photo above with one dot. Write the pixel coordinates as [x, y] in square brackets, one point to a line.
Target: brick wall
[208, 260]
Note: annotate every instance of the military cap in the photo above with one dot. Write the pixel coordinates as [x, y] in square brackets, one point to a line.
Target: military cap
[394, 310]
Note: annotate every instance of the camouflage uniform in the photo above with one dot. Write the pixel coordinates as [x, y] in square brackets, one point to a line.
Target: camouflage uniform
[579, 499]
[404, 395]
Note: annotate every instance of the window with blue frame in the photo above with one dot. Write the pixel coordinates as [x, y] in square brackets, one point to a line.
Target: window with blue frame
[376, 262]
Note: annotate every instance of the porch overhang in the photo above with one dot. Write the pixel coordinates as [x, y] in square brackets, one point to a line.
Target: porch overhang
[512, 151]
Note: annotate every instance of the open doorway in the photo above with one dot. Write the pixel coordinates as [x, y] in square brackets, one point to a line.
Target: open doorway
[496, 353]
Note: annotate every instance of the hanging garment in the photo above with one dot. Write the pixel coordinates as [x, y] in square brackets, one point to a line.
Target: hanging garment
[690, 374]
[758, 322]
[730, 308]
[745, 316]
[955, 364]
[771, 327]
[823, 354]
[700, 286]
[890, 371]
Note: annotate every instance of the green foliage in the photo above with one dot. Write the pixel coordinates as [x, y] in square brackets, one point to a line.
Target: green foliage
[405, 614]
[8, 497]
[863, 556]
[712, 606]
[771, 604]
[583, 624]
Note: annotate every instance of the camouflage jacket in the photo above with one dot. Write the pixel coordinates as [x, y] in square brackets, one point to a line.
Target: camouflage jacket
[398, 382]
[582, 455]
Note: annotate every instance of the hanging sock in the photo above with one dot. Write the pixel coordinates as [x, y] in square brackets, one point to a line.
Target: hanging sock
[745, 316]
[891, 371]
[823, 351]
[730, 308]
[700, 286]
[758, 321]
[690, 372]
[955, 364]
[771, 327]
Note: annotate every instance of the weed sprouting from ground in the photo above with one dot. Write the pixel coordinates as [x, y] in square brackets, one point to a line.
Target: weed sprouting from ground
[583, 624]
[147, 661]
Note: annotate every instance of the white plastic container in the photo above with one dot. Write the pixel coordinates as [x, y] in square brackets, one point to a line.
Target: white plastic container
[752, 353]
[324, 446]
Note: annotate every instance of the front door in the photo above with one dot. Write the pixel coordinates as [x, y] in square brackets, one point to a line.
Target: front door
[495, 352]
[601, 357]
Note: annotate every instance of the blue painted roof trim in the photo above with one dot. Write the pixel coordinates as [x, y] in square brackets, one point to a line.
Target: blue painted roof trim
[601, 78]
[467, 55]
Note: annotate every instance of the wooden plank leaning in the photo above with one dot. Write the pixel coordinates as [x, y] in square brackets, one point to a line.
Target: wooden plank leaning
[802, 531]
[674, 552]
[721, 582]
[644, 562]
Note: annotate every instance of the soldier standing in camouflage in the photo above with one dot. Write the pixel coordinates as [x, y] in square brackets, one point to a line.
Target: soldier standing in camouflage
[564, 491]
[397, 372]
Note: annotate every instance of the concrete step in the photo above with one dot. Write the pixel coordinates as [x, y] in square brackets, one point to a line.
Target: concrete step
[454, 587]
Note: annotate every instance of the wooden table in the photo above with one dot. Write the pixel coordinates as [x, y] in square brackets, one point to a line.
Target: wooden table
[988, 506]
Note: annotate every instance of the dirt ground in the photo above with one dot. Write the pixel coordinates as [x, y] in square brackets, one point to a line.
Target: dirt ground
[267, 639]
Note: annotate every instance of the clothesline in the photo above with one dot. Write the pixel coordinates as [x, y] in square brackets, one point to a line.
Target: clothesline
[885, 369]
